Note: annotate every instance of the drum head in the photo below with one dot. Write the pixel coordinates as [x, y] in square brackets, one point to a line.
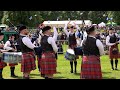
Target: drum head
[71, 51]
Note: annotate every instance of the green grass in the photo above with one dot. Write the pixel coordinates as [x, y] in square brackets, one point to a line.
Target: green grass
[63, 69]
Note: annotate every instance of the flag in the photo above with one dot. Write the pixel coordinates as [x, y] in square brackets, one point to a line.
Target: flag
[30, 18]
[107, 18]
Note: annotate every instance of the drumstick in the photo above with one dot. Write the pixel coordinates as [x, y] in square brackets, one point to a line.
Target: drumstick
[69, 22]
[74, 23]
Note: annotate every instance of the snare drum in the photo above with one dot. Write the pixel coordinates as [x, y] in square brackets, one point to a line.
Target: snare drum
[70, 55]
[78, 51]
[12, 57]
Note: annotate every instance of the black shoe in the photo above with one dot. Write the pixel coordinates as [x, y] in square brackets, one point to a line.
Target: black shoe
[42, 75]
[71, 71]
[14, 76]
[112, 69]
[26, 77]
[75, 71]
[1, 78]
[116, 69]
[46, 77]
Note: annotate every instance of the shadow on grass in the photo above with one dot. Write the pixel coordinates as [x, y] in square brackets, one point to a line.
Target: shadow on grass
[117, 70]
[108, 78]
[58, 72]
[77, 74]
[106, 72]
[20, 77]
[60, 77]
[35, 75]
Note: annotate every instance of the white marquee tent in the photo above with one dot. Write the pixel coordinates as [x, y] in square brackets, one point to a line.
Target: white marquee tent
[102, 24]
[62, 23]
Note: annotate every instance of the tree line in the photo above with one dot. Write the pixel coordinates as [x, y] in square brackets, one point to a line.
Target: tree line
[34, 18]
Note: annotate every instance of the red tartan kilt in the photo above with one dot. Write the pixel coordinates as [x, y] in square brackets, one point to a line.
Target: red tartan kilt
[28, 62]
[2, 64]
[13, 64]
[48, 63]
[111, 55]
[72, 47]
[91, 68]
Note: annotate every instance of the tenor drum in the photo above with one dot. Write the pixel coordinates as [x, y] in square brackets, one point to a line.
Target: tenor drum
[12, 57]
[70, 55]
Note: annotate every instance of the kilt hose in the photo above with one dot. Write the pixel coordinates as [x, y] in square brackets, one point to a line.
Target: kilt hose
[38, 58]
[28, 62]
[72, 47]
[48, 63]
[111, 55]
[2, 64]
[91, 68]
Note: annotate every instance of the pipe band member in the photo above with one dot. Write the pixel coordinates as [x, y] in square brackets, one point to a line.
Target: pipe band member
[112, 41]
[72, 36]
[9, 45]
[2, 64]
[27, 48]
[55, 35]
[92, 50]
[48, 62]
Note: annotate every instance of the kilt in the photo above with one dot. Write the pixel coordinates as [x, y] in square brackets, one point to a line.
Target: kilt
[91, 68]
[111, 55]
[2, 64]
[48, 63]
[28, 62]
[72, 47]
[13, 64]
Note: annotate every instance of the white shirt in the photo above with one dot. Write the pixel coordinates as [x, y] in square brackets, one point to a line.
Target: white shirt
[100, 46]
[53, 44]
[84, 36]
[7, 46]
[54, 36]
[67, 33]
[102, 36]
[108, 39]
[39, 38]
[26, 40]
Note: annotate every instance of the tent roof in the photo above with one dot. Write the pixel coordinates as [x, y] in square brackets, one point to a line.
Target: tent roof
[87, 22]
[102, 24]
[3, 25]
[111, 22]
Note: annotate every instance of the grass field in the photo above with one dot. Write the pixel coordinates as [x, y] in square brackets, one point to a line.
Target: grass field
[63, 69]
